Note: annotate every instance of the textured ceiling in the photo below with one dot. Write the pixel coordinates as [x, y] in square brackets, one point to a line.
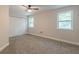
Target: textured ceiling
[17, 10]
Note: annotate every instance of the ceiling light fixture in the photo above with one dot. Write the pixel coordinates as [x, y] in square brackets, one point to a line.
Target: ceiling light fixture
[29, 10]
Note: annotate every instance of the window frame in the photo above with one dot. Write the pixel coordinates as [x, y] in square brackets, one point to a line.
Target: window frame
[72, 17]
[29, 21]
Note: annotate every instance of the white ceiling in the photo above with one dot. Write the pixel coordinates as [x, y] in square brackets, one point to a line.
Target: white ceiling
[46, 7]
[20, 10]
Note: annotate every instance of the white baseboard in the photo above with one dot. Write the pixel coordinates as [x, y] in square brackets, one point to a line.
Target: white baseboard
[74, 43]
[17, 35]
[3, 47]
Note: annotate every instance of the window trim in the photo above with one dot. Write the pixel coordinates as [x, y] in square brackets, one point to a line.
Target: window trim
[72, 17]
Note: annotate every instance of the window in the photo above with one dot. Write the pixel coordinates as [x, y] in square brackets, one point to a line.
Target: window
[65, 20]
[31, 21]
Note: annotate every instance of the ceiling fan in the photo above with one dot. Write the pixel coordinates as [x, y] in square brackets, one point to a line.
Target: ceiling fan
[30, 8]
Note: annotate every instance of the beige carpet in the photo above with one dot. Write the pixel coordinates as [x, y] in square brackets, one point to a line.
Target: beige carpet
[29, 44]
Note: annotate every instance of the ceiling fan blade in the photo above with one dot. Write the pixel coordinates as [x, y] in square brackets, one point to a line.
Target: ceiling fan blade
[35, 8]
[24, 6]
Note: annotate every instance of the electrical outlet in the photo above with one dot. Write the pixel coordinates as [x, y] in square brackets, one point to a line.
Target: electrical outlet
[41, 31]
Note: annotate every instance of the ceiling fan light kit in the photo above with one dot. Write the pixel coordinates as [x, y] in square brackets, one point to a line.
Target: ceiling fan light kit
[29, 10]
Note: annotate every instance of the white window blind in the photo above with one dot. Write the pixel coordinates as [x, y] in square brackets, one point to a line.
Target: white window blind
[65, 20]
[31, 21]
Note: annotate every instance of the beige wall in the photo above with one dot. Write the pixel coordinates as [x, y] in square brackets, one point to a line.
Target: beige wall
[4, 26]
[46, 22]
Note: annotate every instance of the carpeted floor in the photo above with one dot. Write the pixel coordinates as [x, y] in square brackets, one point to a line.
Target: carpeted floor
[29, 44]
